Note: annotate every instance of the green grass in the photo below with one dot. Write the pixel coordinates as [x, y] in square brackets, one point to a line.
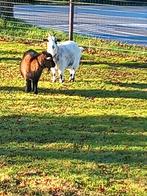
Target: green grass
[82, 138]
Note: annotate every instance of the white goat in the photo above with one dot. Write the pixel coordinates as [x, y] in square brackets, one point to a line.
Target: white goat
[66, 55]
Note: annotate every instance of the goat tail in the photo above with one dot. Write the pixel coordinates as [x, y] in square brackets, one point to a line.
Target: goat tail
[82, 49]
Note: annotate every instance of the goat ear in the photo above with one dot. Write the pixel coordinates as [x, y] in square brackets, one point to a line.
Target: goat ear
[47, 54]
[57, 40]
[44, 52]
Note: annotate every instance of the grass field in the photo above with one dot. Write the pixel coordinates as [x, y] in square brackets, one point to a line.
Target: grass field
[83, 138]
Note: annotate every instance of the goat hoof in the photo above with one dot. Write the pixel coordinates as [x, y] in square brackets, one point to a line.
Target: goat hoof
[61, 81]
[27, 90]
[71, 80]
[53, 80]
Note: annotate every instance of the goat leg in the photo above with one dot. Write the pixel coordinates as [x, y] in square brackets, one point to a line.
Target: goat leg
[28, 86]
[72, 75]
[53, 70]
[61, 77]
[35, 89]
[72, 79]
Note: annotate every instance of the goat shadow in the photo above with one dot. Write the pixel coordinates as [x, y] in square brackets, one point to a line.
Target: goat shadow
[91, 94]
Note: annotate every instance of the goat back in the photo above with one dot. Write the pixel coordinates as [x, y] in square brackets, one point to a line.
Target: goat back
[33, 54]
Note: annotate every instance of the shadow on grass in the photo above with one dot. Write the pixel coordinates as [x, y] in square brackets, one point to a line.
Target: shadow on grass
[8, 52]
[7, 55]
[117, 156]
[130, 85]
[132, 65]
[10, 59]
[92, 93]
[108, 139]
[89, 62]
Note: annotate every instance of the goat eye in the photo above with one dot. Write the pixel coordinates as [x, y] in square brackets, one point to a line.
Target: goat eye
[53, 47]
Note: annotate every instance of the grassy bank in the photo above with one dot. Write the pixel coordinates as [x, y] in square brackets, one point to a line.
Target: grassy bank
[18, 31]
[82, 138]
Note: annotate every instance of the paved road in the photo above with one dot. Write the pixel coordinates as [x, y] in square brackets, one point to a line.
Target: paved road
[122, 23]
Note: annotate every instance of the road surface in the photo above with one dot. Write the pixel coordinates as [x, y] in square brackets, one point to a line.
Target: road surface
[123, 23]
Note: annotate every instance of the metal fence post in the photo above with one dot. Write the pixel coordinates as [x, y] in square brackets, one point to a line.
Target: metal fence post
[71, 19]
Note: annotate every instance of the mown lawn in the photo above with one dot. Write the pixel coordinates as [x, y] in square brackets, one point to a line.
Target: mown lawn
[82, 138]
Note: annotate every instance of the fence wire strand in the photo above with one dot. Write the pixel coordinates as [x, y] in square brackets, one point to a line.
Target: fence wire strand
[110, 20]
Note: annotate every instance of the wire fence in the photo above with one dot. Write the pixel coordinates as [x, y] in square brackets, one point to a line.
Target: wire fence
[122, 21]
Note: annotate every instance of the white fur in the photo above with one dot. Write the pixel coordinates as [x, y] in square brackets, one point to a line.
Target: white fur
[66, 55]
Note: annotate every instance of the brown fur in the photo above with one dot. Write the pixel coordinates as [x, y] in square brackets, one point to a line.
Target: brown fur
[31, 68]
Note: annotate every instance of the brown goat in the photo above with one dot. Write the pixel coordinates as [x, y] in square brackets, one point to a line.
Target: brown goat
[31, 68]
